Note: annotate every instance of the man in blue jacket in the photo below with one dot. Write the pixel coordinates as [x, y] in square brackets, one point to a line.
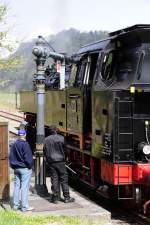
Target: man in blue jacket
[21, 161]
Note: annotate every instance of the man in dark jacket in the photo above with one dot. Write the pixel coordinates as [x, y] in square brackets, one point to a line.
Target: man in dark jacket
[21, 161]
[54, 151]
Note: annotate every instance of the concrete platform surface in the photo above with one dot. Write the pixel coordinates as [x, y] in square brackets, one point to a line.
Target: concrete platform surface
[82, 207]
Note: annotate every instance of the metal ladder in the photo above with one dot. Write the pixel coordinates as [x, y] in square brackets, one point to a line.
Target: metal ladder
[125, 134]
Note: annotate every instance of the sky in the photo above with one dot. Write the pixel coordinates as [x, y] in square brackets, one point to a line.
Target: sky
[29, 18]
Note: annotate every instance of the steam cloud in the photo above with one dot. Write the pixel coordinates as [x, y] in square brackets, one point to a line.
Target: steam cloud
[60, 15]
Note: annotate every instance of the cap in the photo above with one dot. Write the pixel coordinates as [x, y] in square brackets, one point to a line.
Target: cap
[21, 132]
[52, 129]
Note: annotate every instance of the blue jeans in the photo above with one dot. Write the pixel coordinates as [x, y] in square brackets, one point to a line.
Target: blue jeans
[21, 188]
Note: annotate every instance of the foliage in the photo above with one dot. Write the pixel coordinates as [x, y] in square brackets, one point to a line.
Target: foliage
[10, 63]
[6, 44]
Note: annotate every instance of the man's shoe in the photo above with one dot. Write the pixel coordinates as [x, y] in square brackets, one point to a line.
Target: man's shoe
[15, 209]
[69, 200]
[28, 209]
[54, 199]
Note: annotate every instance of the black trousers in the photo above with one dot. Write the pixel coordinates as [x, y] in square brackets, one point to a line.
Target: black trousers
[59, 176]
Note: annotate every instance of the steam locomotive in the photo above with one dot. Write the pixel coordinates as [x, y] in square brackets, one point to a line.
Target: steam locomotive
[104, 114]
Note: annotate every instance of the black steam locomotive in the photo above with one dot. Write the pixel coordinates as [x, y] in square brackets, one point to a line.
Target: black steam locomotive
[104, 113]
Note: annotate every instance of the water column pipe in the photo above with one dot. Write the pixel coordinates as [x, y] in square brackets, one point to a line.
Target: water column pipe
[40, 53]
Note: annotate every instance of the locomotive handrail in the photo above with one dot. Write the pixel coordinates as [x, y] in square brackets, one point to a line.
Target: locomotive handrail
[74, 96]
[140, 63]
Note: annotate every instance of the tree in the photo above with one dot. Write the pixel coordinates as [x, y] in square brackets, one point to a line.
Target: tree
[6, 44]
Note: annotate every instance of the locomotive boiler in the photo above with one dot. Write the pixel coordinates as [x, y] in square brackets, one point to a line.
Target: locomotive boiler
[104, 114]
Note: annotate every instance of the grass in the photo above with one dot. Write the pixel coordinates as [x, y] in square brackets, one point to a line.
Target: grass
[14, 218]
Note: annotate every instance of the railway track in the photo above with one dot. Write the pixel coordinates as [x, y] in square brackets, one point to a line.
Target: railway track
[141, 219]
[11, 116]
[13, 119]
[119, 214]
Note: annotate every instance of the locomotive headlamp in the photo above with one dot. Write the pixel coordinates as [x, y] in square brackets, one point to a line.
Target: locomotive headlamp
[132, 89]
[144, 148]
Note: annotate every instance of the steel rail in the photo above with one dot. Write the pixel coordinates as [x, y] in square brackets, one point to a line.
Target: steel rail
[11, 116]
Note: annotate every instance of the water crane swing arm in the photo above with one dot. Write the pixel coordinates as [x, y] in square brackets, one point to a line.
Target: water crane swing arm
[42, 53]
[40, 50]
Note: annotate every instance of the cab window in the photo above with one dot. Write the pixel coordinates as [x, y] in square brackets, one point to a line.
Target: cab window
[107, 66]
[73, 74]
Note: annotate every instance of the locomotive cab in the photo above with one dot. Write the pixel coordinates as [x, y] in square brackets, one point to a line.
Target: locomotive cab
[125, 68]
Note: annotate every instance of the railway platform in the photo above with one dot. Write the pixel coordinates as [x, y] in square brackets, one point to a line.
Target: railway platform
[82, 207]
